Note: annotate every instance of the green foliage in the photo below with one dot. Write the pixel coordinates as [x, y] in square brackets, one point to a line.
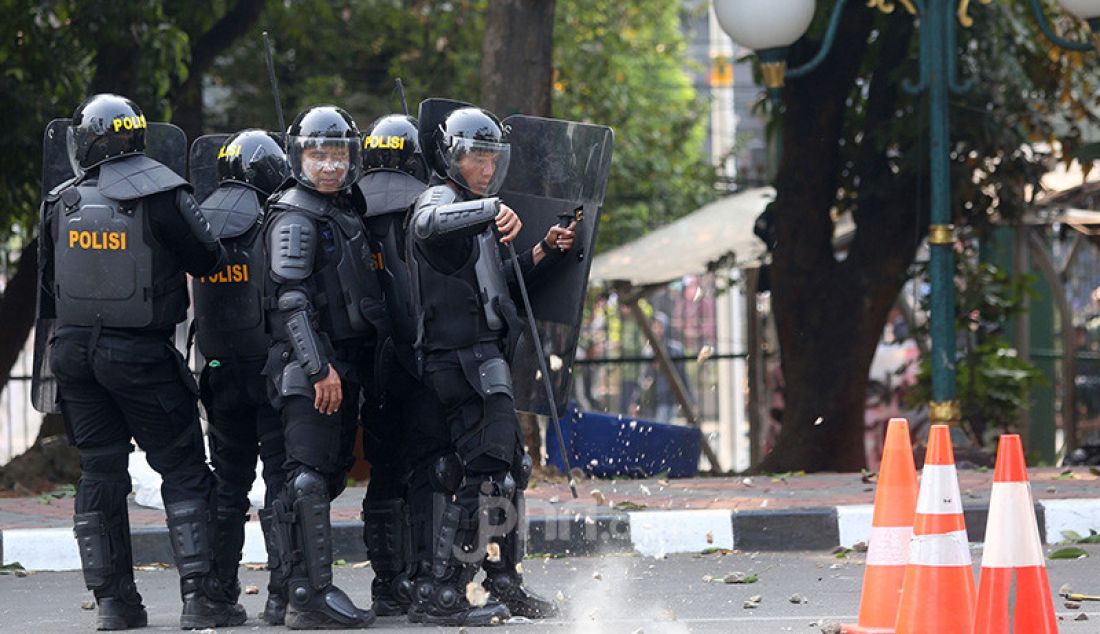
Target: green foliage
[992, 381]
[349, 53]
[621, 64]
[47, 52]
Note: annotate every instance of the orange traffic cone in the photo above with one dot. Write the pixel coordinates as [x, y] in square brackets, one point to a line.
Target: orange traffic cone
[891, 530]
[1012, 545]
[937, 596]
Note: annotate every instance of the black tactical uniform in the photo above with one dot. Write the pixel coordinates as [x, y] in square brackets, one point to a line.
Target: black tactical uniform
[115, 245]
[229, 324]
[403, 423]
[467, 326]
[325, 314]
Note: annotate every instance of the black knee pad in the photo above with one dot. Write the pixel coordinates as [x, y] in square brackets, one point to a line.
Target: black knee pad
[106, 464]
[307, 482]
[446, 474]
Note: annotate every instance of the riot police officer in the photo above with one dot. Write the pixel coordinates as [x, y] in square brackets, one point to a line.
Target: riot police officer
[403, 424]
[116, 242]
[467, 324]
[325, 314]
[230, 334]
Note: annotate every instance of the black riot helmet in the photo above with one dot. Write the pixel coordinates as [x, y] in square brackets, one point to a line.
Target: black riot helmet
[323, 149]
[255, 158]
[103, 128]
[470, 146]
[394, 143]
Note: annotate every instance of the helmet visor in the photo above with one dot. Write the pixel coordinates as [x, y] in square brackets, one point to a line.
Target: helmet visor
[325, 164]
[478, 166]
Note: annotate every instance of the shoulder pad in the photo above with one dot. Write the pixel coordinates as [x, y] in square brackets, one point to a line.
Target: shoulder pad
[232, 210]
[292, 244]
[136, 177]
[303, 199]
[388, 191]
[55, 193]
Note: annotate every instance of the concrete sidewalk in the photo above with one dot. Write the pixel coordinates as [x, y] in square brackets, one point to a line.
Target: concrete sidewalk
[651, 517]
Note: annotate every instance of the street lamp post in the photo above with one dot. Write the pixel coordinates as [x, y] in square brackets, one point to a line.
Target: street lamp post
[771, 26]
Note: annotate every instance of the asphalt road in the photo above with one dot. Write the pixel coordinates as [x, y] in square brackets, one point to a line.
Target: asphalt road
[627, 594]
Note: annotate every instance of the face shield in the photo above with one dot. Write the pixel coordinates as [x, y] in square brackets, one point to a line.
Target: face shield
[478, 166]
[72, 149]
[325, 164]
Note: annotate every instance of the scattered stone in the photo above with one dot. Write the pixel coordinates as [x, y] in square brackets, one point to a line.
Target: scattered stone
[87, 604]
[518, 619]
[597, 495]
[663, 483]
[710, 537]
[753, 602]
[554, 500]
[740, 577]
[705, 353]
[560, 596]
[597, 576]
[860, 547]
[492, 552]
[495, 620]
[797, 598]
[1081, 617]
[519, 568]
[746, 481]
[476, 594]
[1072, 605]
[707, 578]
[556, 363]
[666, 615]
[830, 627]
[252, 589]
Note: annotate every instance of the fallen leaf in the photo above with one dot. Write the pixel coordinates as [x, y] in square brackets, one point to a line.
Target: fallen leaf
[705, 353]
[359, 565]
[1069, 553]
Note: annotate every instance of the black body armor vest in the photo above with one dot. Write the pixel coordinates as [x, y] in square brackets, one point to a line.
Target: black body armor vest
[346, 294]
[229, 310]
[109, 268]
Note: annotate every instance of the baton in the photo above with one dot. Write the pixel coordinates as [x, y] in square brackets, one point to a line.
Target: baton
[537, 342]
[401, 91]
[274, 86]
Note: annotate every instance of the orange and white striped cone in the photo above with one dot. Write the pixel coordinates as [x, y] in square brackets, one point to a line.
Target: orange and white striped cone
[891, 531]
[1012, 545]
[937, 595]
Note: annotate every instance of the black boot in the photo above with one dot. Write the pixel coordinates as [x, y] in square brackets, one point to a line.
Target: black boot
[441, 595]
[275, 608]
[314, 602]
[228, 544]
[205, 603]
[106, 558]
[385, 533]
[504, 577]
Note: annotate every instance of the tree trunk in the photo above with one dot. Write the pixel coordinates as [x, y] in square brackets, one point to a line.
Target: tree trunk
[517, 57]
[17, 309]
[187, 106]
[830, 311]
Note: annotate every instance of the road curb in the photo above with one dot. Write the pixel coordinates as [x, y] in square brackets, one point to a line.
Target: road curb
[648, 533]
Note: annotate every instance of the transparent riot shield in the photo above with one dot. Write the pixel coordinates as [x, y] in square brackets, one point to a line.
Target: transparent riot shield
[202, 164]
[430, 115]
[164, 142]
[558, 173]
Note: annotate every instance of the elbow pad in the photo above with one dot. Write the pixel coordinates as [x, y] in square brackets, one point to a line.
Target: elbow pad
[294, 306]
[196, 222]
[455, 220]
